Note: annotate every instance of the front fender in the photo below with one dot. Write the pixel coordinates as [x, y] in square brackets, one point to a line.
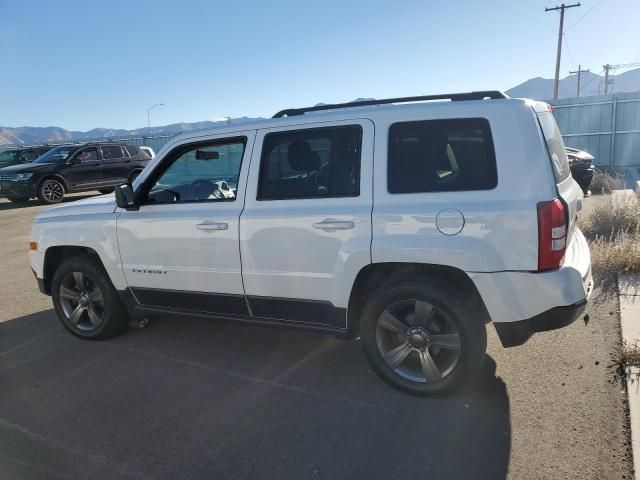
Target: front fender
[96, 232]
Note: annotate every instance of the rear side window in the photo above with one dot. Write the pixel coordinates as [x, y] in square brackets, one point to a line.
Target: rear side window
[311, 163]
[111, 151]
[555, 146]
[441, 156]
[133, 151]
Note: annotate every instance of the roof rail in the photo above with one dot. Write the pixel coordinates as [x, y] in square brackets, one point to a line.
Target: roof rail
[454, 97]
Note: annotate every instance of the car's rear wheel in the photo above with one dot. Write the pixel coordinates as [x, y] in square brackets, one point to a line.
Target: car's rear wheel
[422, 336]
[51, 191]
[85, 300]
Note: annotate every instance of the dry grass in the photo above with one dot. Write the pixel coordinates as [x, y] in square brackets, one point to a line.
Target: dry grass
[603, 182]
[614, 239]
[625, 363]
[615, 255]
[607, 221]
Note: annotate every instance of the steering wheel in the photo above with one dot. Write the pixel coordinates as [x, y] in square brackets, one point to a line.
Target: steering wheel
[204, 189]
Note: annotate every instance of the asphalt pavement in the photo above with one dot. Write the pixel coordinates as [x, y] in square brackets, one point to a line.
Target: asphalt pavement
[192, 398]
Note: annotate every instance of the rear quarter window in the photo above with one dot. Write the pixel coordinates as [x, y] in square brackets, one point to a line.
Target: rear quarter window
[441, 156]
[555, 146]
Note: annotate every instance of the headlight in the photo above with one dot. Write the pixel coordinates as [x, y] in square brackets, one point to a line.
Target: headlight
[23, 176]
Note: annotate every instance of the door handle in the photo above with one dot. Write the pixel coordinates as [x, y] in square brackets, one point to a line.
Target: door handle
[329, 224]
[212, 226]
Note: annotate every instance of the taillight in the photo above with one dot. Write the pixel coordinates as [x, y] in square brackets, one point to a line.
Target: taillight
[552, 234]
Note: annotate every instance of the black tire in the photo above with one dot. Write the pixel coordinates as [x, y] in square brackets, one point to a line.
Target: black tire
[108, 309]
[133, 175]
[455, 318]
[105, 191]
[18, 200]
[51, 191]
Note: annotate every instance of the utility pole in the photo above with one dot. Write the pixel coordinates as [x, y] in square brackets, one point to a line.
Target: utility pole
[606, 68]
[562, 8]
[579, 72]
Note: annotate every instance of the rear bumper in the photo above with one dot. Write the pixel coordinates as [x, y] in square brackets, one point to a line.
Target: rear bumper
[513, 334]
[523, 303]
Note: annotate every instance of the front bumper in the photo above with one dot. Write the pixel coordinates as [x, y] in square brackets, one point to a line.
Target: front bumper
[16, 189]
[513, 334]
[583, 175]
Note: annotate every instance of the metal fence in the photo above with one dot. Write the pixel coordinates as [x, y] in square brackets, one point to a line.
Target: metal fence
[607, 126]
[154, 141]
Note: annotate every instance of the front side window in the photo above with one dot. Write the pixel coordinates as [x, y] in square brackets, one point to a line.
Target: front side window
[313, 163]
[199, 173]
[88, 155]
[441, 156]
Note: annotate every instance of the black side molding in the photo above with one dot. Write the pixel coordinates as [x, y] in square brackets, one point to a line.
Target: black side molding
[513, 334]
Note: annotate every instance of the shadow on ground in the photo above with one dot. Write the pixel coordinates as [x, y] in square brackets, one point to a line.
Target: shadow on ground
[188, 398]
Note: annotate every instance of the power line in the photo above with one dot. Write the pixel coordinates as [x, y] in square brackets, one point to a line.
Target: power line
[562, 8]
[566, 44]
[588, 12]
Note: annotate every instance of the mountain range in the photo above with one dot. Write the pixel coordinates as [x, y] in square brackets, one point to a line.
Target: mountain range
[537, 88]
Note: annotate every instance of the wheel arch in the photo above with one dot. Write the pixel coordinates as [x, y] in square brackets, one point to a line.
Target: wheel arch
[53, 176]
[56, 255]
[373, 275]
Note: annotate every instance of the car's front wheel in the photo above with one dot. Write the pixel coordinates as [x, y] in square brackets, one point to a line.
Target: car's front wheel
[85, 300]
[51, 191]
[423, 336]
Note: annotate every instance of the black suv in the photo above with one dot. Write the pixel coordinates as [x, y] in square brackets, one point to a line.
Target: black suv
[17, 156]
[72, 168]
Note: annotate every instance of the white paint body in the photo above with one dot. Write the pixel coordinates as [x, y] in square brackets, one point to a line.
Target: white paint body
[273, 249]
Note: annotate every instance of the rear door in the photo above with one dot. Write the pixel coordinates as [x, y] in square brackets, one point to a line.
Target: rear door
[568, 188]
[115, 164]
[305, 231]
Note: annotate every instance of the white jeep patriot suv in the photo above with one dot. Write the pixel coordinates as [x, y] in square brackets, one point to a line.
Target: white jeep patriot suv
[409, 223]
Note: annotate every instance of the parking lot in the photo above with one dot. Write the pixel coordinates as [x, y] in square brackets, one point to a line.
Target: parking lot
[190, 398]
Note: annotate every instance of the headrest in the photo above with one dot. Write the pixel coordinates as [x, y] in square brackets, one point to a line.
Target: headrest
[301, 157]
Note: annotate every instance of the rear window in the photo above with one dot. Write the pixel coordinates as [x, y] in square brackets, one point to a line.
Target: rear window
[555, 146]
[441, 156]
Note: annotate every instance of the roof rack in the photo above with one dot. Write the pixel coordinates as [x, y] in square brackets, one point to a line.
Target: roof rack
[454, 97]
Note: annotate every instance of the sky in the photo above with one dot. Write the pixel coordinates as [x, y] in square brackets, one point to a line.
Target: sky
[85, 64]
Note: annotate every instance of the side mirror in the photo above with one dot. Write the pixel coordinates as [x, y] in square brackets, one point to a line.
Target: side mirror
[125, 197]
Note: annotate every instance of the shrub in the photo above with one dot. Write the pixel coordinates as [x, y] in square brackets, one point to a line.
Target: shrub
[603, 182]
[606, 221]
[617, 254]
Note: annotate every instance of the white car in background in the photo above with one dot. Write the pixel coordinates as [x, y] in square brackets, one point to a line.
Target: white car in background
[148, 150]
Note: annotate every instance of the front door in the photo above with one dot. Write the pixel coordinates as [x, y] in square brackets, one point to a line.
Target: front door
[180, 250]
[84, 170]
[305, 232]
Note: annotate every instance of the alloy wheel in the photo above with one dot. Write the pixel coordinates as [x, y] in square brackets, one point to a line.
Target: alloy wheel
[82, 301]
[52, 191]
[418, 341]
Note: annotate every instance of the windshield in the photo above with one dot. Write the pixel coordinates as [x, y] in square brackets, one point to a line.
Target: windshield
[58, 154]
[8, 156]
[555, 145]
